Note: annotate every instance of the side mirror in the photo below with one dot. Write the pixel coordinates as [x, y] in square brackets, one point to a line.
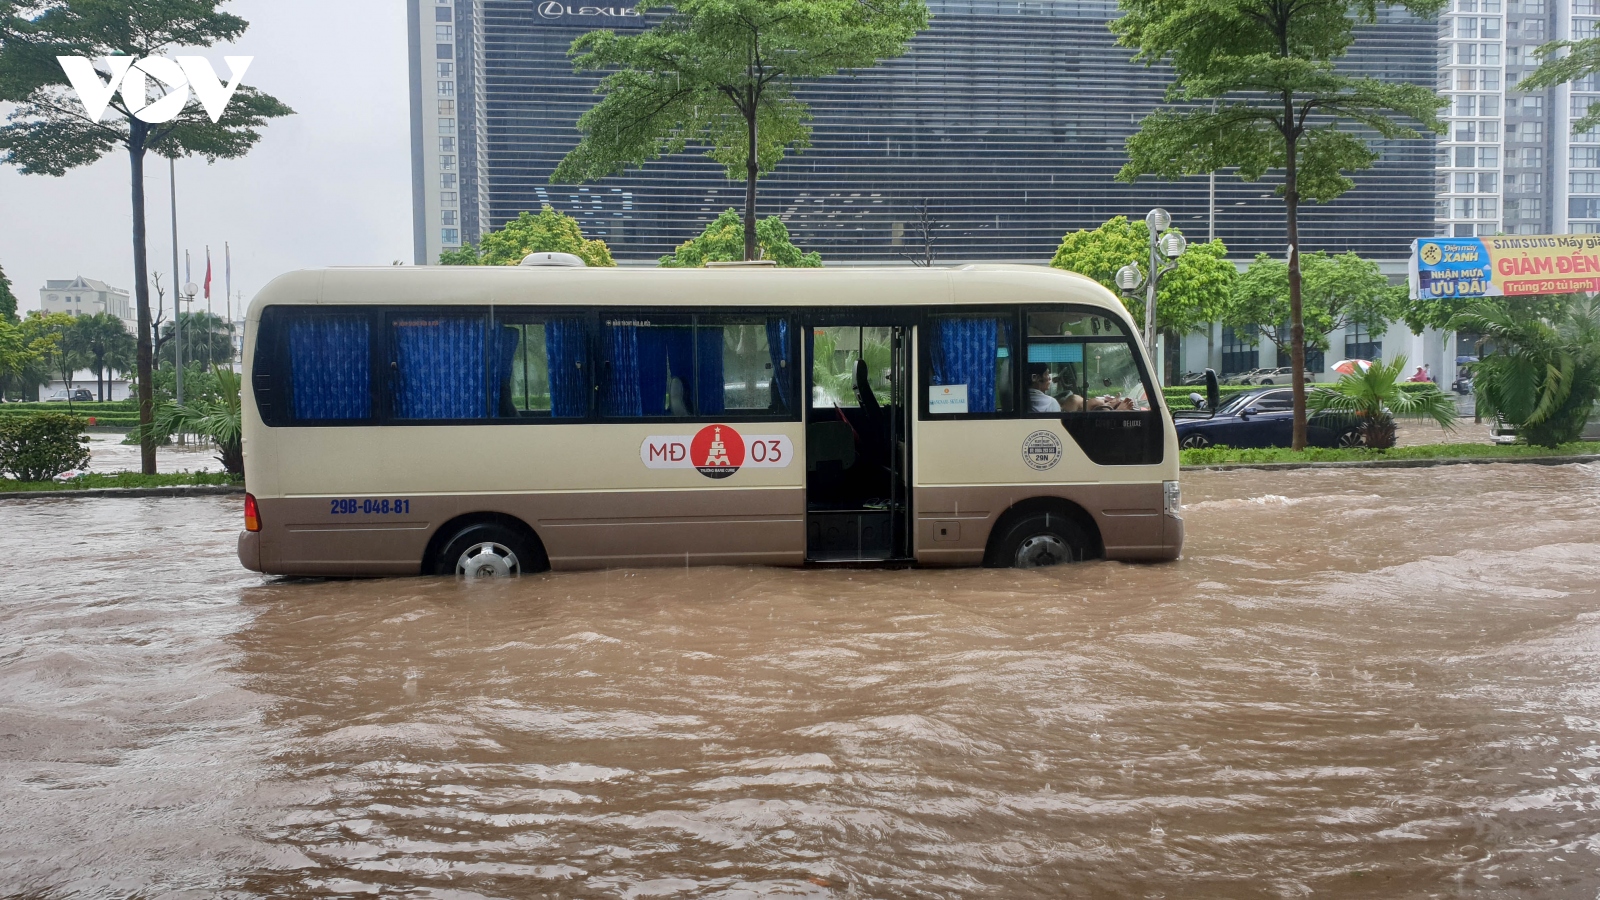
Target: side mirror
[1213, 392]
[1198, 401]
[1248, 411]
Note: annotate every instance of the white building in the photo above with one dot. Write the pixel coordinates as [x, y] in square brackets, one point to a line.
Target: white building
[448, 148]
[1510, 163]
[86, 297]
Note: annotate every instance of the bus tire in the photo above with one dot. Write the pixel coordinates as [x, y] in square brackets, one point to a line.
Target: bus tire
[1041, 539]
[489, 550]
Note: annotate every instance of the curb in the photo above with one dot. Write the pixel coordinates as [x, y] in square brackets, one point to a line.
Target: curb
[180, 490]
[1403, 463]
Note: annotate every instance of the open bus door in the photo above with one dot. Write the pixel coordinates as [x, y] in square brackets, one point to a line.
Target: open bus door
[858, 422]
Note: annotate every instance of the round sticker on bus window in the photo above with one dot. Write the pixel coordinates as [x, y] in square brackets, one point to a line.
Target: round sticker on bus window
[1041, 450]
[717, 451]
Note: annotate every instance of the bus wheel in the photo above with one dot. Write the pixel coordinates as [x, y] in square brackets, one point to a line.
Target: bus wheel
[487, 550]
[1044, 539]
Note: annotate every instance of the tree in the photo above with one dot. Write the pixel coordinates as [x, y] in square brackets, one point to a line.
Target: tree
[1438, 312]
[724, 241]
[1336, 292]
[52, 335]
[8, 300]
[31, 366]
[548, 232]
[15, 355]
[1582, 58]
[216, 417]
[105, 341]
[1375, 396]
[721, 73]
[206, 339]
[1541, 374]
[49, 131]
[1280, 104]
[1189, 296]
[926, 257]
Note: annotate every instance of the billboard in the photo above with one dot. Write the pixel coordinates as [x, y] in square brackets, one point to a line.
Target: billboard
[1504, 265]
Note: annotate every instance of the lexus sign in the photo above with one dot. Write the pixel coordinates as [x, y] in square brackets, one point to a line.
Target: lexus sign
[554, 9]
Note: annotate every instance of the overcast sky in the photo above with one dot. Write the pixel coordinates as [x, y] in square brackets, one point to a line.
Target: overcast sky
[330, 185]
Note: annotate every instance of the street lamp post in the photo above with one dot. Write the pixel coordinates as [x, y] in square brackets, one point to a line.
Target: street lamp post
[189, 290]
[1163, 243]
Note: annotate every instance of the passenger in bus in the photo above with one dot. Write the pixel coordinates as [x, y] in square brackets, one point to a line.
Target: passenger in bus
[1040, 380]
[1072, 403]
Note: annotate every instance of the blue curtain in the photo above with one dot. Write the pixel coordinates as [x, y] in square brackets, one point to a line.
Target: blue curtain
[710, 387]
[642, 362]
[330, 365]
[507, 340]
[566, 347]
[782, 374]
[439, 368]
[965, 353]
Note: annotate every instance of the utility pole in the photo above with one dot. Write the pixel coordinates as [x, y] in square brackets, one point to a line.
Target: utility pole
[177, 305]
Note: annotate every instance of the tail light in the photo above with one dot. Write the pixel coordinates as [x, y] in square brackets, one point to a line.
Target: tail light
[1171, 499]
[252, 515]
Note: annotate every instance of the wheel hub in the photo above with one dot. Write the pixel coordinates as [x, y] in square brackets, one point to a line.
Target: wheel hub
[1042, 550]
[488, 560]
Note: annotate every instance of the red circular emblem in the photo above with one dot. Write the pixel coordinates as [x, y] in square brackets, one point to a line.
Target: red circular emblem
[717, 451]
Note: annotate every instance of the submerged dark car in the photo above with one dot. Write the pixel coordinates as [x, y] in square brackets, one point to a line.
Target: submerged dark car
[1263, 418]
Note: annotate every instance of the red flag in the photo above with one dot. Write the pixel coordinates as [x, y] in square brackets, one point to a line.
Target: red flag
[208, 273]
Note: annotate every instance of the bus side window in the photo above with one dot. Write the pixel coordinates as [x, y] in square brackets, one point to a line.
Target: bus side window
[330, 367]
[969, 364]
[700, 366]
[543, 369]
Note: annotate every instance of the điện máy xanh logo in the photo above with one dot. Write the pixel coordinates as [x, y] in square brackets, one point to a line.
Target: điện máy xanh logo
[132, 78]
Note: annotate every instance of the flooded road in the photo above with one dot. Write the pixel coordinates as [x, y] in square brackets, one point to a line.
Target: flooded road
[1356, 684]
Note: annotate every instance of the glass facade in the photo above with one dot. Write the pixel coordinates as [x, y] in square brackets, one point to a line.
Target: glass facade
[1006, 118]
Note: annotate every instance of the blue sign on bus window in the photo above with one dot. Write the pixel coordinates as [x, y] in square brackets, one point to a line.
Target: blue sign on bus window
[1055, 353]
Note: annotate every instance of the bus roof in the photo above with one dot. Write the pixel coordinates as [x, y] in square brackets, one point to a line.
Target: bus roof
[625, 286]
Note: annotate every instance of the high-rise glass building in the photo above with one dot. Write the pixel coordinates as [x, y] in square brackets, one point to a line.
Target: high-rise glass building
[1510, 163]
[1005, 122]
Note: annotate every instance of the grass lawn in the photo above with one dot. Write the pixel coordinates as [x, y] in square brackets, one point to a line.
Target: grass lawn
[121, 480]
[1213, 456]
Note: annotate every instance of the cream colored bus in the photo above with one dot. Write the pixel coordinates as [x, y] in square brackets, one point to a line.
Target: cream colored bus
[503, 420]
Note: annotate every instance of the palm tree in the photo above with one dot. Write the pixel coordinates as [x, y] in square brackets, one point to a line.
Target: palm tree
[207, 340]
[105, 341]
[219, 420]
[1375, 397]
[1540, 374]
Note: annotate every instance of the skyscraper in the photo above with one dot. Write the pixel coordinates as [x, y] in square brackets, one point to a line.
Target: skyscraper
[1510, 163]
[1005, 120]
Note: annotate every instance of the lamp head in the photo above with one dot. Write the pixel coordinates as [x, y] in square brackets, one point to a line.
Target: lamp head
[191, 289]
[1158, 219]
[1173, 244]
[1129, 277]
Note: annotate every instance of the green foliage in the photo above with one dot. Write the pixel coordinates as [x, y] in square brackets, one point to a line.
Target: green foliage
[723, 241]
[1178, 395]
[218, 419]
[52, 336]
[103, 342]
[207, 339]
[1336, 292]
[548, 232]
[1542, 374]
[1191, 295]
[1277, 102]
[1375, 396]
[48, 132]
[833, 371]
[1582, 58]
[199, 384]
[1437, 313]
[721, 74]
[8, 300]
[1216, 456]
[38, 448]
[94, 480]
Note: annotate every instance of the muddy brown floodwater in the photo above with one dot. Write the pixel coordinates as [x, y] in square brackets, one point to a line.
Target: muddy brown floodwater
[1355, 684]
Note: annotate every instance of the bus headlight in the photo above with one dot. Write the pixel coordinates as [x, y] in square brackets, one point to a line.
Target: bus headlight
[1171, 501]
